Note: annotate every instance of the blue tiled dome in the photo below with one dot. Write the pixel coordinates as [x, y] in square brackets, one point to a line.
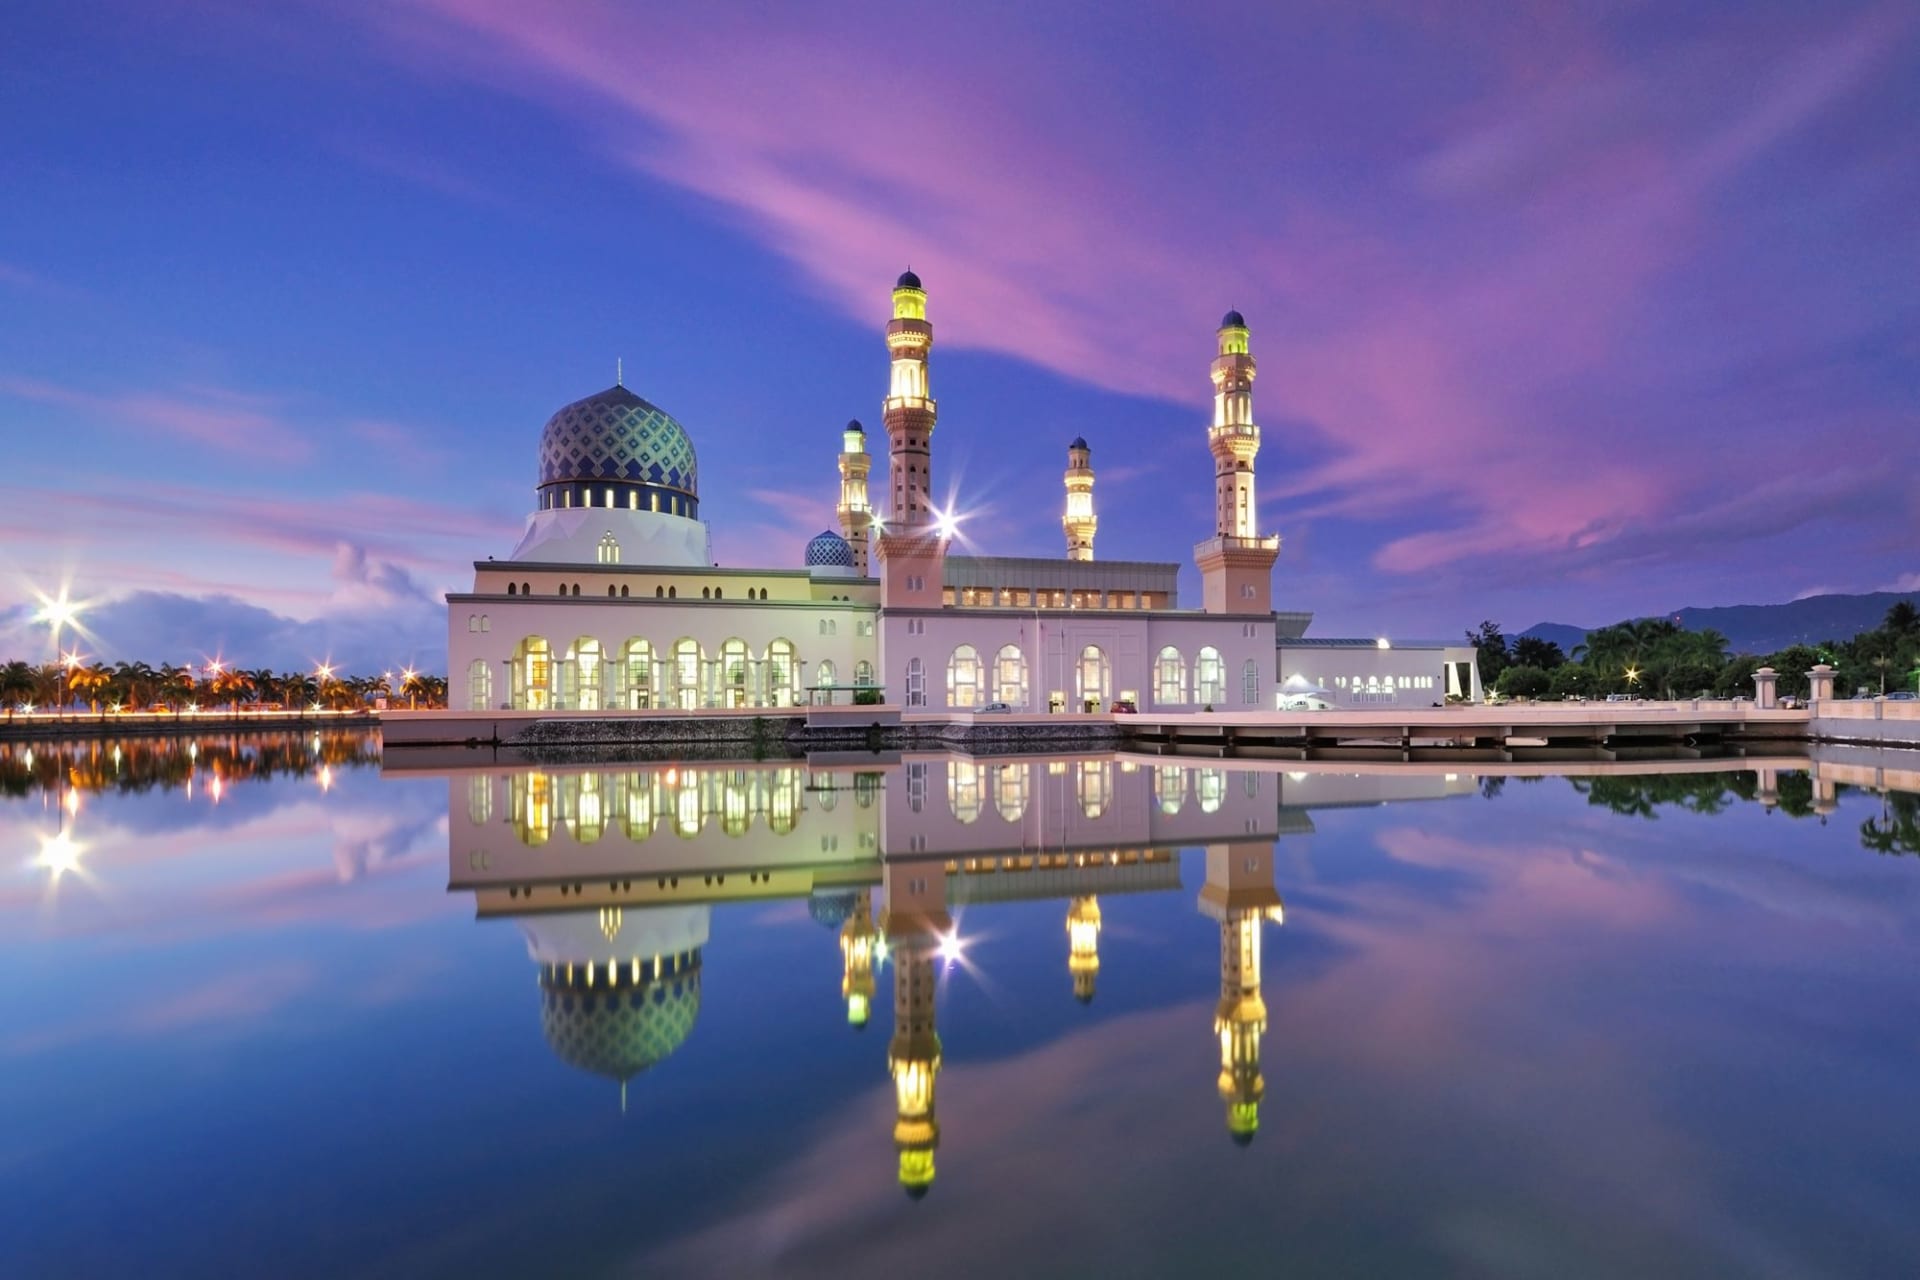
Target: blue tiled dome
[622, 1030]
[617, 436]
[829, 550]
[830, 909]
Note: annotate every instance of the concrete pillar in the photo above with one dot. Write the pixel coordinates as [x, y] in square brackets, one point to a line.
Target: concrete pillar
[1769, 796]
[1764, 683]
[1820, 683]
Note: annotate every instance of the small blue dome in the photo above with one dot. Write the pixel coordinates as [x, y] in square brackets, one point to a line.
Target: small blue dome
[830, 909]
[853, 424]
[829, 550]
[907, 280]
[1079, 442]
[1233, 320]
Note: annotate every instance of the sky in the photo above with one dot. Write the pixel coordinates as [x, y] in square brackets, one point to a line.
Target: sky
[1565, 313]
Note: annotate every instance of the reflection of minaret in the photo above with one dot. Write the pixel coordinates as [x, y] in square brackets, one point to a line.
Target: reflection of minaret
[1079, 521]
[1083, 946]
[855, 513]
[1239, 893]
[858, 940]
[916, 921]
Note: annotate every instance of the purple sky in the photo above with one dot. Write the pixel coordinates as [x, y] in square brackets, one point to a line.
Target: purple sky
[1558, 316]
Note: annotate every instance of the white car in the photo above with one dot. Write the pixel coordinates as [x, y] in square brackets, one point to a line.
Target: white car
[1305, 700]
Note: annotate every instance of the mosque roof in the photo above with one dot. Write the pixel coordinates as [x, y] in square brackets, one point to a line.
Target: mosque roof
[621, 1031]
[617, 435]
[829, 550]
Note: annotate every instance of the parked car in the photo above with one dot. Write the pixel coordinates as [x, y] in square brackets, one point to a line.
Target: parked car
[1623, 697]
[1125, 706]
[1903, 696]
[995, 708]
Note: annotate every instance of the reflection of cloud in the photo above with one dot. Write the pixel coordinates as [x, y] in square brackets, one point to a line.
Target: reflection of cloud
[243, 996]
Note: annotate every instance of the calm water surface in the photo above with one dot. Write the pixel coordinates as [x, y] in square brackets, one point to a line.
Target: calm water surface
[273, 1011]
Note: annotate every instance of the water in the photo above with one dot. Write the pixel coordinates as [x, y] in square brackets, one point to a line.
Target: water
[272, 1011]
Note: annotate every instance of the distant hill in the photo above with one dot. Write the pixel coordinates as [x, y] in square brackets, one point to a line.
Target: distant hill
[1765, 628]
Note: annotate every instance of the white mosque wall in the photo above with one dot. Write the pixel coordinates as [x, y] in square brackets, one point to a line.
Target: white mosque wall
[1366, 676]
[1074, 660]
[939, 805]
[579, 535]
[496, 635]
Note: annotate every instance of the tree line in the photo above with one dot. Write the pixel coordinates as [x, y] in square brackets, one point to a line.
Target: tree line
[137, 686]
[1658, 658]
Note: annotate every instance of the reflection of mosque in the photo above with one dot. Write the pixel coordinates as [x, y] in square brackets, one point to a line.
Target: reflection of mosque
[613, 874]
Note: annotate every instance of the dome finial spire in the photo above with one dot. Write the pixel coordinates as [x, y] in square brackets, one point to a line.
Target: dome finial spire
[619, 372]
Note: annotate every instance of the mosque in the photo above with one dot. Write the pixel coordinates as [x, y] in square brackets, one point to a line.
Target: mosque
[612, 600]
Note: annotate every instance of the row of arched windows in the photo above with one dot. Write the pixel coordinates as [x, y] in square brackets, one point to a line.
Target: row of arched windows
[660, 592]
[972, 682]
[640, 675]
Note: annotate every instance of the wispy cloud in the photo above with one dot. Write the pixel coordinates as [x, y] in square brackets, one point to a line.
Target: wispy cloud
[220, 419]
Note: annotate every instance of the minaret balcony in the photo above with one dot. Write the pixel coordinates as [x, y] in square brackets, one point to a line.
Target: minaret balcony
[926, 403]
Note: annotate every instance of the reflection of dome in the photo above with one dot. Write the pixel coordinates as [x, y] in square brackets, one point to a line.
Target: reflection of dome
[619, 1031]
[829, 550]
[831, 909]
[907, 280]
[1233, 320]
[1243, 1139]
[616, 437]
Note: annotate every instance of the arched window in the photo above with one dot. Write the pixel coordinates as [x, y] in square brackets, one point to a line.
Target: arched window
[963, 790]
[1250, 684]
[686, 674]
[1209, 677]
[823, 675]
[673, 593]
[1170, 787]
[480, 800]
[623, 593]
[532, 675]
[576, 588]
[1169, 678]
[659, 593]
[610, 591]
[1010, 676]
[1094, 785]
[782, 667]
[963, 678]
[526, 588]
[486, 622]
[512, 590]
[1093, 675]
[719, 593]
[530, 802]
[583, 806]
[705, 593]
[733, 674]
[863, 672]
[479, 685]
[916, 683]
[636, 666]
[583, 676]
[643, 804]
[1010, 791]
[1210, 788]
[608, 552]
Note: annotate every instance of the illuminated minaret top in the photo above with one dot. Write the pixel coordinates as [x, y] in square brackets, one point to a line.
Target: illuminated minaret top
[915, 923]
[913, 536]
[909, 408]
[1239, 893]
[859, 938]
[1079, 521]
[1083, 946]
[855, 513]
[1236, 564]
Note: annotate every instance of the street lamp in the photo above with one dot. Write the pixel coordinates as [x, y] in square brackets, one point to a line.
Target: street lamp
[406, 682]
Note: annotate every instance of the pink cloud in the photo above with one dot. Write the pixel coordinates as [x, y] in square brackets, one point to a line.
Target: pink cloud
[1436, 337]
[226, 421]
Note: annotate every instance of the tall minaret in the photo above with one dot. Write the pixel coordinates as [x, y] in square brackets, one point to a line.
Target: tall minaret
[855, 514]
[1083, 946]
[1236, 564]
[1239, 893]
[916, 921]
[1079, 521]
[858, 940]
[912, 546]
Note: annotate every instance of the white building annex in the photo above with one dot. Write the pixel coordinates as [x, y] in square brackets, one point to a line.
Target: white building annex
[611, 600]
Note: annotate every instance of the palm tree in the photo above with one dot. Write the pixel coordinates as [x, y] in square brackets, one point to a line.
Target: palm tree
[175, 684]
[88, 682]
[1903, 619]
[231, 683]
[16, 683]
[415, 687]
[298, 688]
